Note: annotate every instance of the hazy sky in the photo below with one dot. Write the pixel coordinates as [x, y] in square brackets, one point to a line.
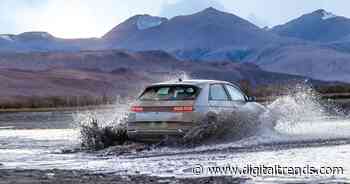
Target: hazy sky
[93, 18]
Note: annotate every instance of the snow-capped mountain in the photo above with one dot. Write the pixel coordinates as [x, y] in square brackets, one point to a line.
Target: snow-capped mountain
[34, 41]
[207, 35]
[132, 26]
[320, 26]
[28, 36]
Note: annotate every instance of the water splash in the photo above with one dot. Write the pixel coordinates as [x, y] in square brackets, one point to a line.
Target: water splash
[100, 129]
[302, 106]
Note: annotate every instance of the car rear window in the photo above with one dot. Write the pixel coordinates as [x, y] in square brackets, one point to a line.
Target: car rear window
[169, 93]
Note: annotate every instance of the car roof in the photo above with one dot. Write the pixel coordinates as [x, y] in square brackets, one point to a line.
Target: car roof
[190, 82]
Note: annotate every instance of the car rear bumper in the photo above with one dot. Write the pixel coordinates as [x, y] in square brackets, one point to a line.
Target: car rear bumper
[156, 131]
[144, 126]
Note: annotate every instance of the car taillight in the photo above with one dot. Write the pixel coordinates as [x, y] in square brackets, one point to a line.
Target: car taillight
[136, 109]
[183, 109]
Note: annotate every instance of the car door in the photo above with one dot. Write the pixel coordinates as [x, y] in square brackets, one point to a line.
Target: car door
[238, 99]
[241, 106]
[219, 99]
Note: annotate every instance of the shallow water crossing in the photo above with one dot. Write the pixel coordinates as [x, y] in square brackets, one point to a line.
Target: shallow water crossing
[305, 135]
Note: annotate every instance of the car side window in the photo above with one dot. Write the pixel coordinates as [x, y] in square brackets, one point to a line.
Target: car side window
[235, 94]
[217, 92]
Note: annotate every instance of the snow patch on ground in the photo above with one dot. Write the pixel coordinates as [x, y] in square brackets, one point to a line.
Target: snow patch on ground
[41, 34]
[36, 35]
[146, 22]
[6, 37]
[328, 15]
[45, 35]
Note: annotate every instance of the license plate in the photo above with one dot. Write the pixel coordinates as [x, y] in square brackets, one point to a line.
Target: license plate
[158, 116]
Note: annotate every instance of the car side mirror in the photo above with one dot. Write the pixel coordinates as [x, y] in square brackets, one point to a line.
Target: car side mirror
[251, 99]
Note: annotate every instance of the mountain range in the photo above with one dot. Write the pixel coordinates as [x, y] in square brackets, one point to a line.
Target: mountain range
[110, 72]
[209, 29]
[315, 45]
